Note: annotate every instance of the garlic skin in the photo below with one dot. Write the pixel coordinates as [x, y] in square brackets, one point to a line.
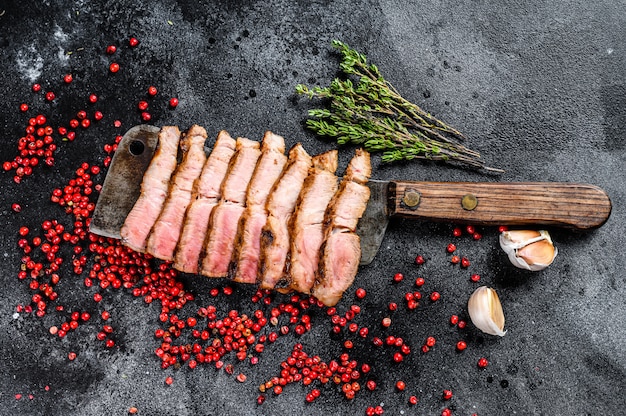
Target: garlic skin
[485, 311]
[528, 249]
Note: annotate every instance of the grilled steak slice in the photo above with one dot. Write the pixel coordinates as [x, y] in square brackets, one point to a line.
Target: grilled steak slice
[280, 207]
[154, 190]
[268, 169]
[307, 223]
[167, 228]
[192, 239]
[341, 251]
[226, 215]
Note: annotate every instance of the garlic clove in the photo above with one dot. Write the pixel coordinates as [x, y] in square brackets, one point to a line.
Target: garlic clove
[528, 249]
[485, 311]
[519, 238]
[538, 255]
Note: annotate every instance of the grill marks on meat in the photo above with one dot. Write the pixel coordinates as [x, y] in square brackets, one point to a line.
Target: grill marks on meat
[280, 208]
[168, 227]
[226, 215]
[208, 194]
[248, 246]
[341, 251]
[307, 232]
[154, 191]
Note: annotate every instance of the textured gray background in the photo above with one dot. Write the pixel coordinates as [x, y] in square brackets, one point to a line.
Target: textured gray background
[537, 86]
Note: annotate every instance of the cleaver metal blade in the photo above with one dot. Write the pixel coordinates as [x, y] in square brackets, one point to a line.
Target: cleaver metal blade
[557, 204]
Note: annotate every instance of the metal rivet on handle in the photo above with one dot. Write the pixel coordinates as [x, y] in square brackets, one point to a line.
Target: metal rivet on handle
[469, 202]
[411, 198]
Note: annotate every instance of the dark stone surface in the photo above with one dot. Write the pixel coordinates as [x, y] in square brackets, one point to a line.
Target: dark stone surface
[539, 89]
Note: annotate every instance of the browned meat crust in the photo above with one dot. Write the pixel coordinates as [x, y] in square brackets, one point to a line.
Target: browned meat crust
[226, 215]
[208, 194]
[168, 227]
[248, 247]
[154, 189]
[306, 231]
[341, 251]
[280, 208]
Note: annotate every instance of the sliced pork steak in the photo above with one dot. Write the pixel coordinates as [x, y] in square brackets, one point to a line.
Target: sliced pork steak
[154, 191]
[208, 194]
[224, 221]
[280, 208]
[341, 251]
[248, 246]
[306, 228]
[248, 211]
[168, 227]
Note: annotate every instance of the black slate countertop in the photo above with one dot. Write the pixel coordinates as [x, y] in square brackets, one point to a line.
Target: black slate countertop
[537, 87]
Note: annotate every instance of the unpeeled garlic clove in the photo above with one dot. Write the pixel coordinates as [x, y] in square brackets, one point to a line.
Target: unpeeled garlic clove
[528, 249]
[485, 311]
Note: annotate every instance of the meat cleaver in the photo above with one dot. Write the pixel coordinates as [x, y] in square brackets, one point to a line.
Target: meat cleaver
[558, 204]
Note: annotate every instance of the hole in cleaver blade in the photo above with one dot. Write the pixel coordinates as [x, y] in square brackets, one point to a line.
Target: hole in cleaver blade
[122, 184]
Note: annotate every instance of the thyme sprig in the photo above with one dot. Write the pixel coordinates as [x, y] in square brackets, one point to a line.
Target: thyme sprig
[372, 113]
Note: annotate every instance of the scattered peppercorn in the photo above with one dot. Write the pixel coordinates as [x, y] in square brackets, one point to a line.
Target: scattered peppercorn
[430, 341]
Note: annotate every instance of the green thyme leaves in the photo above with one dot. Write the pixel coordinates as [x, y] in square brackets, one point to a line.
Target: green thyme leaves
[365, 109]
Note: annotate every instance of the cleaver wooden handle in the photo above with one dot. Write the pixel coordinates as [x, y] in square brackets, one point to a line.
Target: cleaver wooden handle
[571, 205]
